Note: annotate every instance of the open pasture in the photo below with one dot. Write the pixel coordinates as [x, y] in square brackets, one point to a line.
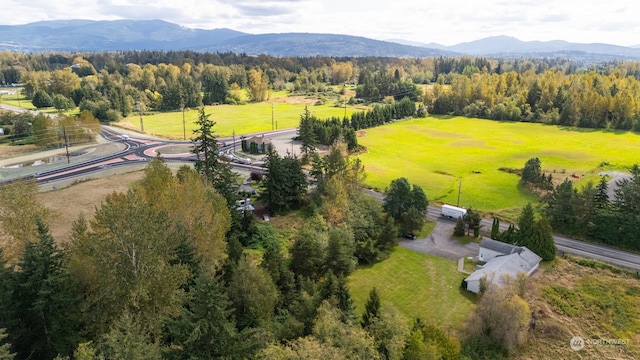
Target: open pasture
[417, 285]
[243, 119]
[439, 153]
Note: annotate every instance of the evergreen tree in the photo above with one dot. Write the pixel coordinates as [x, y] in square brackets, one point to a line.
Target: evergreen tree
[205, 329]
[508, 236]
[542, 242]
[340, 259]
[284, 186]
[532, 171]
[6, 289]
[274, 262]
[344, 301]
[561, 207]
[411, 221]
[308, 252]
[601, 195]
[128, 339]
[44, 301]
[214, 85]
[459, 229]
[371, 308]
[526, 224]
[5, 347]
[208, 162]
[307, 132]
[495, 229]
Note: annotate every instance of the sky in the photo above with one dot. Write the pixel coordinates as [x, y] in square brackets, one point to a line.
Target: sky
[447, 22]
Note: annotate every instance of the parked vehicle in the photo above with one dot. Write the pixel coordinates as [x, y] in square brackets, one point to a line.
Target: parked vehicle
[453, 212]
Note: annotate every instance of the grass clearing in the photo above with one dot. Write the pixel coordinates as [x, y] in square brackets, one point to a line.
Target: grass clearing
[441, 152]
[417, 285]
[243, 119]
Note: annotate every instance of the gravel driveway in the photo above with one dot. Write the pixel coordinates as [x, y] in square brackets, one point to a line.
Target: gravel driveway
[441, 243]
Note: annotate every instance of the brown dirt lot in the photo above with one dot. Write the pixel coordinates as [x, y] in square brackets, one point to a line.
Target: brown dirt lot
[8, 152]
[66, 204]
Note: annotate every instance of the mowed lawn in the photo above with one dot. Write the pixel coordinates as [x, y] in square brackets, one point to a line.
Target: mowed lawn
[439, 153]
[417, 285]
[243, 119]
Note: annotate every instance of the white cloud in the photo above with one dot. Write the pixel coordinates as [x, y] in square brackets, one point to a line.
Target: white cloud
[446, 22]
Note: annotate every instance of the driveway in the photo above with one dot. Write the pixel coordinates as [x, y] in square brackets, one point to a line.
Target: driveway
[441, 243]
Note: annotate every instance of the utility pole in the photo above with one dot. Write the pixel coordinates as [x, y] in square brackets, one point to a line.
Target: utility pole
[184, 126]
[459, 186]
[272, 116]
[234, 140]
[345, 109]
[66, 143]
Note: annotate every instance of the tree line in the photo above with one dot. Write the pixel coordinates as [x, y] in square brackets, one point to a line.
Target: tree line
[596, 213]
[314, 131]
[588, 99]
[111, 85]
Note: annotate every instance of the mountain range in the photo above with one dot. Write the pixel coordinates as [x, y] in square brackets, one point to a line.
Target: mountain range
[122, 35]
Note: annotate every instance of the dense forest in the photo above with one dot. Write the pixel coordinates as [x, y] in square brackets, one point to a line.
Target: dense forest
[555, 91]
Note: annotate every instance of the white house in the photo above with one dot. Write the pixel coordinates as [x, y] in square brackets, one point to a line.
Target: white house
[501, 262]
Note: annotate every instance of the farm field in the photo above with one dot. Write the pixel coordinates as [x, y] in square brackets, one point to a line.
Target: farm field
[243, 119]
[417, 285]
[438, 153]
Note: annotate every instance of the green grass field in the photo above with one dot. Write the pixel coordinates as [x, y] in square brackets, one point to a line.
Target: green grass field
[438, 153]
[417, 285]
[243, 119]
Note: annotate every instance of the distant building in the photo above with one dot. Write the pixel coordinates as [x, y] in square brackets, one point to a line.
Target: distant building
[244, 205]
[256, 145]
[501, 262]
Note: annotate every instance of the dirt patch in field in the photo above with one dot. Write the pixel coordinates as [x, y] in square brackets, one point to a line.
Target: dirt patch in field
[310, 100]
[66, 204]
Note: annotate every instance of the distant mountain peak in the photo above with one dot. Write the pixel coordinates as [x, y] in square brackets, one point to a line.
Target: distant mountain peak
[126, 34]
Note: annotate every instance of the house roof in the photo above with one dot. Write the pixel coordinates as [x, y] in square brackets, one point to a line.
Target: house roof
[498, 246]
[514, 260]
[506, 249]
[501, 267]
